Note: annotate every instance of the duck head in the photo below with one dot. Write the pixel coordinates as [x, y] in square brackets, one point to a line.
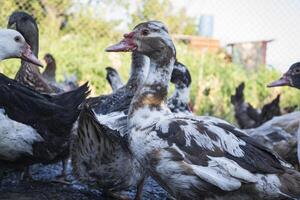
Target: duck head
[49, 59]
[149, 38]
[26, 25]
[181, 76]
[111, 72]
[290, 78]
[13, 45]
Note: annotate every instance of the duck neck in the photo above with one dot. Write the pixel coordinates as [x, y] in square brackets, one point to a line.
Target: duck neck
[115, 82]
[31, 35]
[139, 70]
[50, 71]
[152, 95]
[181, 93]
[33, 41]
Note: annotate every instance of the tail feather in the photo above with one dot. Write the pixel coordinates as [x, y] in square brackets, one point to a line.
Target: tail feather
[290, 183]
[73, 98]
[239, 94]
[41, 111]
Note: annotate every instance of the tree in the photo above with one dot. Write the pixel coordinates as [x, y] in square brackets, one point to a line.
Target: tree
[163, 10]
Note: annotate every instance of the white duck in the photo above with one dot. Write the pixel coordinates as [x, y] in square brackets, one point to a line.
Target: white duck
[13, 45]
[34, 127]
[195, 157]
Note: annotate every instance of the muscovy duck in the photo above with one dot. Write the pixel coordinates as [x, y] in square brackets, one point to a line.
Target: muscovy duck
[50, 70]
[291, 78]
[181, 78]
[99, 153]
[280, 135]
[249, 117]
[195, 157]
[113, 78]
[275, 132]
[28, 73]
[69, 83]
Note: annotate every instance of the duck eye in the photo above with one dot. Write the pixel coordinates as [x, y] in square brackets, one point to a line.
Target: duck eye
[297, 71]
[145, 32]
[17, 39]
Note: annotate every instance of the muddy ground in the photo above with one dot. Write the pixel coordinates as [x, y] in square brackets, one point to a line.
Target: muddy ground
[43, 187]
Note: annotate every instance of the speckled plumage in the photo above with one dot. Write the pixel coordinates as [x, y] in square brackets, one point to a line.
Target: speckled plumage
[181, 78]
[195, 157]
[99, 152]
[291, 78]
[113, 78]
[28, 73]
[280, 135]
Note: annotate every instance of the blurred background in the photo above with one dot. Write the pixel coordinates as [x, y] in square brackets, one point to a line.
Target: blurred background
[222, 42]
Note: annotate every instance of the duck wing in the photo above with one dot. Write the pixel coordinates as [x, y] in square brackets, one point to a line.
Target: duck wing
[30, 76]
[208, 153]
[45, 113]
[103, 127]
[230, 141]
[246, 115]
[118, 101]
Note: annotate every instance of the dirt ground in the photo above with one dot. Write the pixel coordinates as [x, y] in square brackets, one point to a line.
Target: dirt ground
[43, 187]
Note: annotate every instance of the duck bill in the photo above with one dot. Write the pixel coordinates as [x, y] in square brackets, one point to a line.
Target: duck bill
[28, 56]
[283, 81]
[125, 45]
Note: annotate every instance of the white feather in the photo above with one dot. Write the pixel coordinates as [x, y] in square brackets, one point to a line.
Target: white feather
[8, 46]
[269, 185]
[15, 138]
[115, 121]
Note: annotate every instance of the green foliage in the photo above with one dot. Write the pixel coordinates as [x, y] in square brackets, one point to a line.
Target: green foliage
[79, 48]
[210, 74]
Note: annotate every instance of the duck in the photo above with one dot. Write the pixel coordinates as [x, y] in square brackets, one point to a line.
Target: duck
[13, 45]
[34, 127]
[50, 71]
[194, 157]
[181, 78]
[292, 79]
[247, 116]
[113, 78]
[29, 74]
[99, 154]
[280, 135]
[69, 83]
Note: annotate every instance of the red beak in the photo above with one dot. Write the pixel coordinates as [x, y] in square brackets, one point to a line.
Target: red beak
[127, 44]
[283, 81]
[28, 56]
